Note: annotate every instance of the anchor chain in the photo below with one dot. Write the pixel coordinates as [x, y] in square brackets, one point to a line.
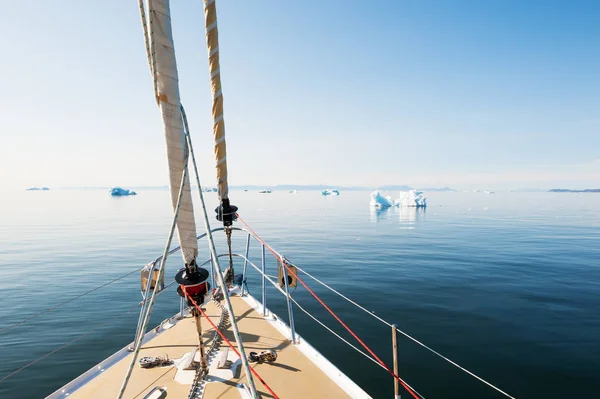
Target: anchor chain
[200, 378]
[229, 273]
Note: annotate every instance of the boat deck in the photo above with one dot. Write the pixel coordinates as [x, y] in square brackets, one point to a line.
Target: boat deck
[292, 375]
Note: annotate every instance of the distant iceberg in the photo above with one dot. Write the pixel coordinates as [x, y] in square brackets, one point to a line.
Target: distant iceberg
[265, 191]
[380, 202]
[293, 191]
[121, 192]
[412, 198]
[37, 189]
[330, 191]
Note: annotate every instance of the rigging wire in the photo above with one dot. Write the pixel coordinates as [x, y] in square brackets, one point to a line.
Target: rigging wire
[277, 255]
[69, 343]
[334, 333]
[406, 334]
[68, 301]
[404, 384]
[345, 297]
[348, 343]
[217, 268]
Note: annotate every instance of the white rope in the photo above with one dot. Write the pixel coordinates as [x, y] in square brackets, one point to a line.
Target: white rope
[406, 335]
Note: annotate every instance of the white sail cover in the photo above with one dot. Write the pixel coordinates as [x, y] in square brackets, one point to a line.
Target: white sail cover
[169, 102]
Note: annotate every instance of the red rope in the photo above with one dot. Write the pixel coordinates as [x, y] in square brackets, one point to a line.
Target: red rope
[229, 343]
[405, 385]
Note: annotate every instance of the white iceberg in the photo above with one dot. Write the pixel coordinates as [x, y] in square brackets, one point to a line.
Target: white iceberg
[265, 191]
[380, 202]
[330, 191]
[412, 198]
[293, 191]
[121, 192]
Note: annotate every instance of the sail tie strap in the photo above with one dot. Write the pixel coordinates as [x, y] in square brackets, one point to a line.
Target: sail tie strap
[267, 387]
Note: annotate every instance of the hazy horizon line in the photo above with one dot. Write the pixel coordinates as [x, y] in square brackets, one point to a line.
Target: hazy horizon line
[322, 186]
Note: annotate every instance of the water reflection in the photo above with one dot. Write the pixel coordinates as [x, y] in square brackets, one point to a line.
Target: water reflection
[410, 215]
[379, 214]
[406, 215]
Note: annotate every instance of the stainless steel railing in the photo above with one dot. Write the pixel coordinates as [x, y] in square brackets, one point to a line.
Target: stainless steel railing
[290, 301]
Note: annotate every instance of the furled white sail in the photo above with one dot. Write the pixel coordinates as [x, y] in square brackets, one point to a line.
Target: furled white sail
[220, 150]
[164, 69]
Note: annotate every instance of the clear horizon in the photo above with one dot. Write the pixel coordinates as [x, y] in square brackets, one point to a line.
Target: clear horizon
[431, 94]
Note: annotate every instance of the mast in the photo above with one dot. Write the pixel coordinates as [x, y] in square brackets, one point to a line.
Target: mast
[166, 83]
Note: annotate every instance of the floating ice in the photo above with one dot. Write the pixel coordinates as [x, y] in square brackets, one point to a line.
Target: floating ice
[121, 192]
[293, 191]
[330, 191]
[381, 202]
[265, 192]
[37, 189]
[412, 198]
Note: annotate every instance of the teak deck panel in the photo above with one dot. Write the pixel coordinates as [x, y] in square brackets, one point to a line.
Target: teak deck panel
[292, 375]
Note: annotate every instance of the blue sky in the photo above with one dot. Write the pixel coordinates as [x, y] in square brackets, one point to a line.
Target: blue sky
[466, 94]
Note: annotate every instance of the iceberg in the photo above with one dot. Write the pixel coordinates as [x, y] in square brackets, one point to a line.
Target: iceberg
[380, 202]
[412, 198]
[121, 192]
[265, 191]
[330, 191]
[293, 191]
[37, 189]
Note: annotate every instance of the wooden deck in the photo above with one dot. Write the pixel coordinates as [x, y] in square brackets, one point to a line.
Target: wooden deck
[293, 375]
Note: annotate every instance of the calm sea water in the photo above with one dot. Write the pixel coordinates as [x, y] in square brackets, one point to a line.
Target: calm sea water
[507, 285]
